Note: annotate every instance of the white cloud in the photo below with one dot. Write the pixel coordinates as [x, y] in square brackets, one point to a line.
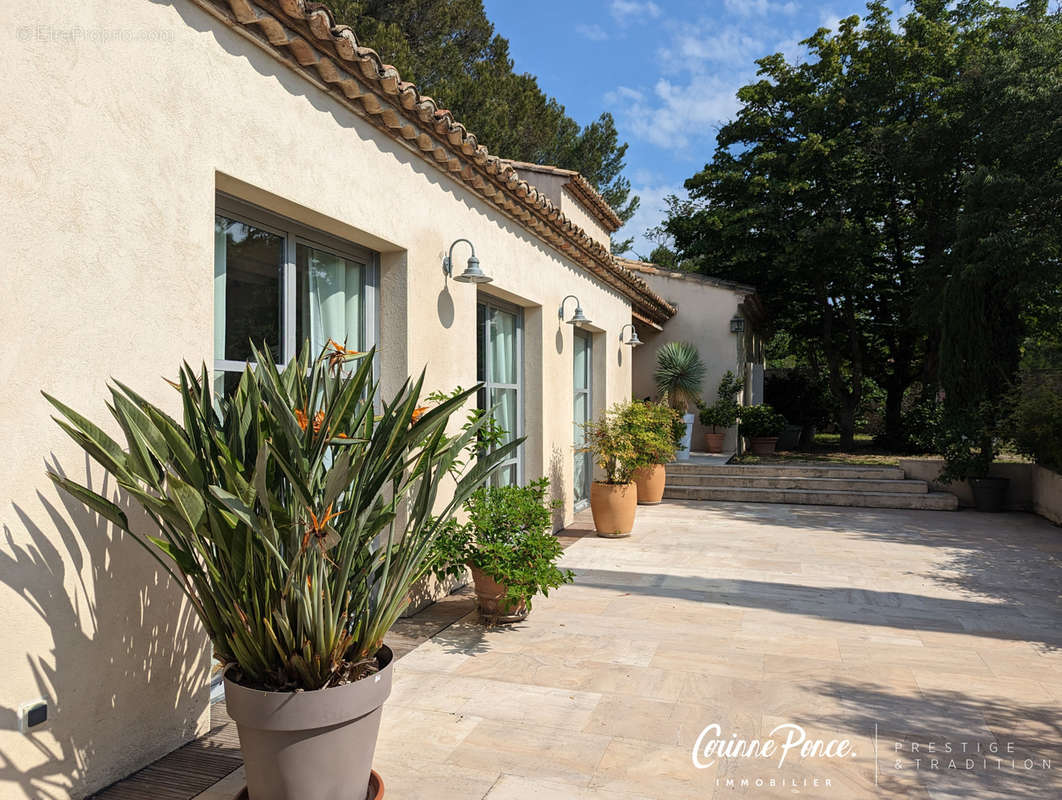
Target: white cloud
[629, 10]
[760, 8]
[677, 113]
[595, 33]
[651, 211]
[732, 45]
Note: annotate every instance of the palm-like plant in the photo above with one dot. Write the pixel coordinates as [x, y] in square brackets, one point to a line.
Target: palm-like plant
[293, 517]
[679, 373]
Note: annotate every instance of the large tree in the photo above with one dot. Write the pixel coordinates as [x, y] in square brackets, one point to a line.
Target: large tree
[842, 187]
[450, 50]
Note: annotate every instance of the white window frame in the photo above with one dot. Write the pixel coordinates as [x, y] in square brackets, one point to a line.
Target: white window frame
[294, 234]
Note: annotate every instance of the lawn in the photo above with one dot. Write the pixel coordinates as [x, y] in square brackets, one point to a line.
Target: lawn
[827, 448]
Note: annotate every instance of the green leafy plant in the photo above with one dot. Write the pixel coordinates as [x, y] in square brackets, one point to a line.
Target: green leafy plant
[293, 517]
[652, 428]
[1035, 421]
[614, 444]
[761, 421]
[679, 373]
[508, 536]
[723, 413]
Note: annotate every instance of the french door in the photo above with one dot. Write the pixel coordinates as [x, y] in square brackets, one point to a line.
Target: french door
[582, 412]
[499, 340]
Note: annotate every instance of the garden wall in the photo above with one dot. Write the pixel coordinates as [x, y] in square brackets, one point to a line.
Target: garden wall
[1032, 487]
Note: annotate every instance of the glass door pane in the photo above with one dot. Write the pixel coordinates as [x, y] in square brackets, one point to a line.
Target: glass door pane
[581, 413]
[499, 367]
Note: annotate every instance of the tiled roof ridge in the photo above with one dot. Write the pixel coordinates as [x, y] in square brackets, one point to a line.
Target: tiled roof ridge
[307, 33]
[591, 198]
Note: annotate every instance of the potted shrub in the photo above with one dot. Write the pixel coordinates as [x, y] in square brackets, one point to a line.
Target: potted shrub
[508, 543]
[613, 501]
[762, 426]
[678, 376]
[968, 447]
[721, 414]
[652, 426]
[295, 515]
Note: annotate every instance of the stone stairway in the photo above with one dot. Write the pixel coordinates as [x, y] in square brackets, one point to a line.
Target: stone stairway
[869, 487]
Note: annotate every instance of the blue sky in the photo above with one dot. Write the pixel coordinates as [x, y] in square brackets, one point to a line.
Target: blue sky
[666, 69]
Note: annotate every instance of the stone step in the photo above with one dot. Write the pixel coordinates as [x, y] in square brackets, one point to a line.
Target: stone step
[795, 482]
[931, 501]
[843, 471]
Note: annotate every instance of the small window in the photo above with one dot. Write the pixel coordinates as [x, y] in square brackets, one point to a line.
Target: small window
[279, 283]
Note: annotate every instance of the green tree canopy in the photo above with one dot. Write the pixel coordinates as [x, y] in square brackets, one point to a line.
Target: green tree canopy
[450, 50]
[855, 189]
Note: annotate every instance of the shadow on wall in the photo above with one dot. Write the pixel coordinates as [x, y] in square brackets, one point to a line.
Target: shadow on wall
[116, 621]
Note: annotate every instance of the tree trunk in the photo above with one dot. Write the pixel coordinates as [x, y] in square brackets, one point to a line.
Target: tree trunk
[893, 435]
[846, 425]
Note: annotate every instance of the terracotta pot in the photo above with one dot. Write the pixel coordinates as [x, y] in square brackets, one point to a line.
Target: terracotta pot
[489, 594]
[650, 484]
[613, 506]
[290, 740]
[713, 442]
[762, 445]
[376, 789]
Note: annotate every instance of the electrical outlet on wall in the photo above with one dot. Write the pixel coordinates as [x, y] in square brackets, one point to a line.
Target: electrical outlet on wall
[32, 714]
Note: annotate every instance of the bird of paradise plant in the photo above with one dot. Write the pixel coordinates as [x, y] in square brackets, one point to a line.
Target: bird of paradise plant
[296, 513]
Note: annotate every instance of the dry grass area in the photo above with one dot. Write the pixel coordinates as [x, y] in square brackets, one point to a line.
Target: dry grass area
[827, 449]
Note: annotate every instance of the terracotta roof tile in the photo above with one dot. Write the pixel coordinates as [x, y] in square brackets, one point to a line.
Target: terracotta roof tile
[583, 190]
[306, 36]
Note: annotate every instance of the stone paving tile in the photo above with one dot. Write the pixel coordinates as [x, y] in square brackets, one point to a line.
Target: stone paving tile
[904, 632]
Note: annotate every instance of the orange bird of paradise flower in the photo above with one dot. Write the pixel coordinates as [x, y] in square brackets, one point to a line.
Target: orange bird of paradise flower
[338, 353]
[304, 420]
[317, 529]
[419, 412]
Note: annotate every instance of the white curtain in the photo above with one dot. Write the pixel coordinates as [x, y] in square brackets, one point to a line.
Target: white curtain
[503, 347]
[333, 299]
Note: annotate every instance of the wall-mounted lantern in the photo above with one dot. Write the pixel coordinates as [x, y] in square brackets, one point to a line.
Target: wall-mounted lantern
[472, 273]
[578, 318]
[737, 324]
[632, 340]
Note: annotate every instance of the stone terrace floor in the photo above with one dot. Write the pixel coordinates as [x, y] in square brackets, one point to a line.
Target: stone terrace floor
[893, 629]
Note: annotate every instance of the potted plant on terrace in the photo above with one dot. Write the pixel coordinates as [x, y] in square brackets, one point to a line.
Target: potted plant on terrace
[678, 376]
[723, 413]
[508, 544]
[652, 426]
[613, 501]
[969, 448]
[762, 426]
[295, 520]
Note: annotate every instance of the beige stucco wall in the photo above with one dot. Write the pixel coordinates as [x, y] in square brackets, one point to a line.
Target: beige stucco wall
[703, 319]
[112, 146]
[578, 214]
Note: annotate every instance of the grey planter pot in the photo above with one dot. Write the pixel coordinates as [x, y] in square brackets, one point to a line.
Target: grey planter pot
[319, 745]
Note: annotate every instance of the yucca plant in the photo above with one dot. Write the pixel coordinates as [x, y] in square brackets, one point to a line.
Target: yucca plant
[679, 373]
[293, 516]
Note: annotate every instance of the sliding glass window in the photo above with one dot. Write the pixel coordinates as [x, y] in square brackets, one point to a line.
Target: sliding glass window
[282, 284]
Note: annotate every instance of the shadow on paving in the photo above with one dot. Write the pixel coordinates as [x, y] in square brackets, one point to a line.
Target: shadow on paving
[844, 604]
[999, 747]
